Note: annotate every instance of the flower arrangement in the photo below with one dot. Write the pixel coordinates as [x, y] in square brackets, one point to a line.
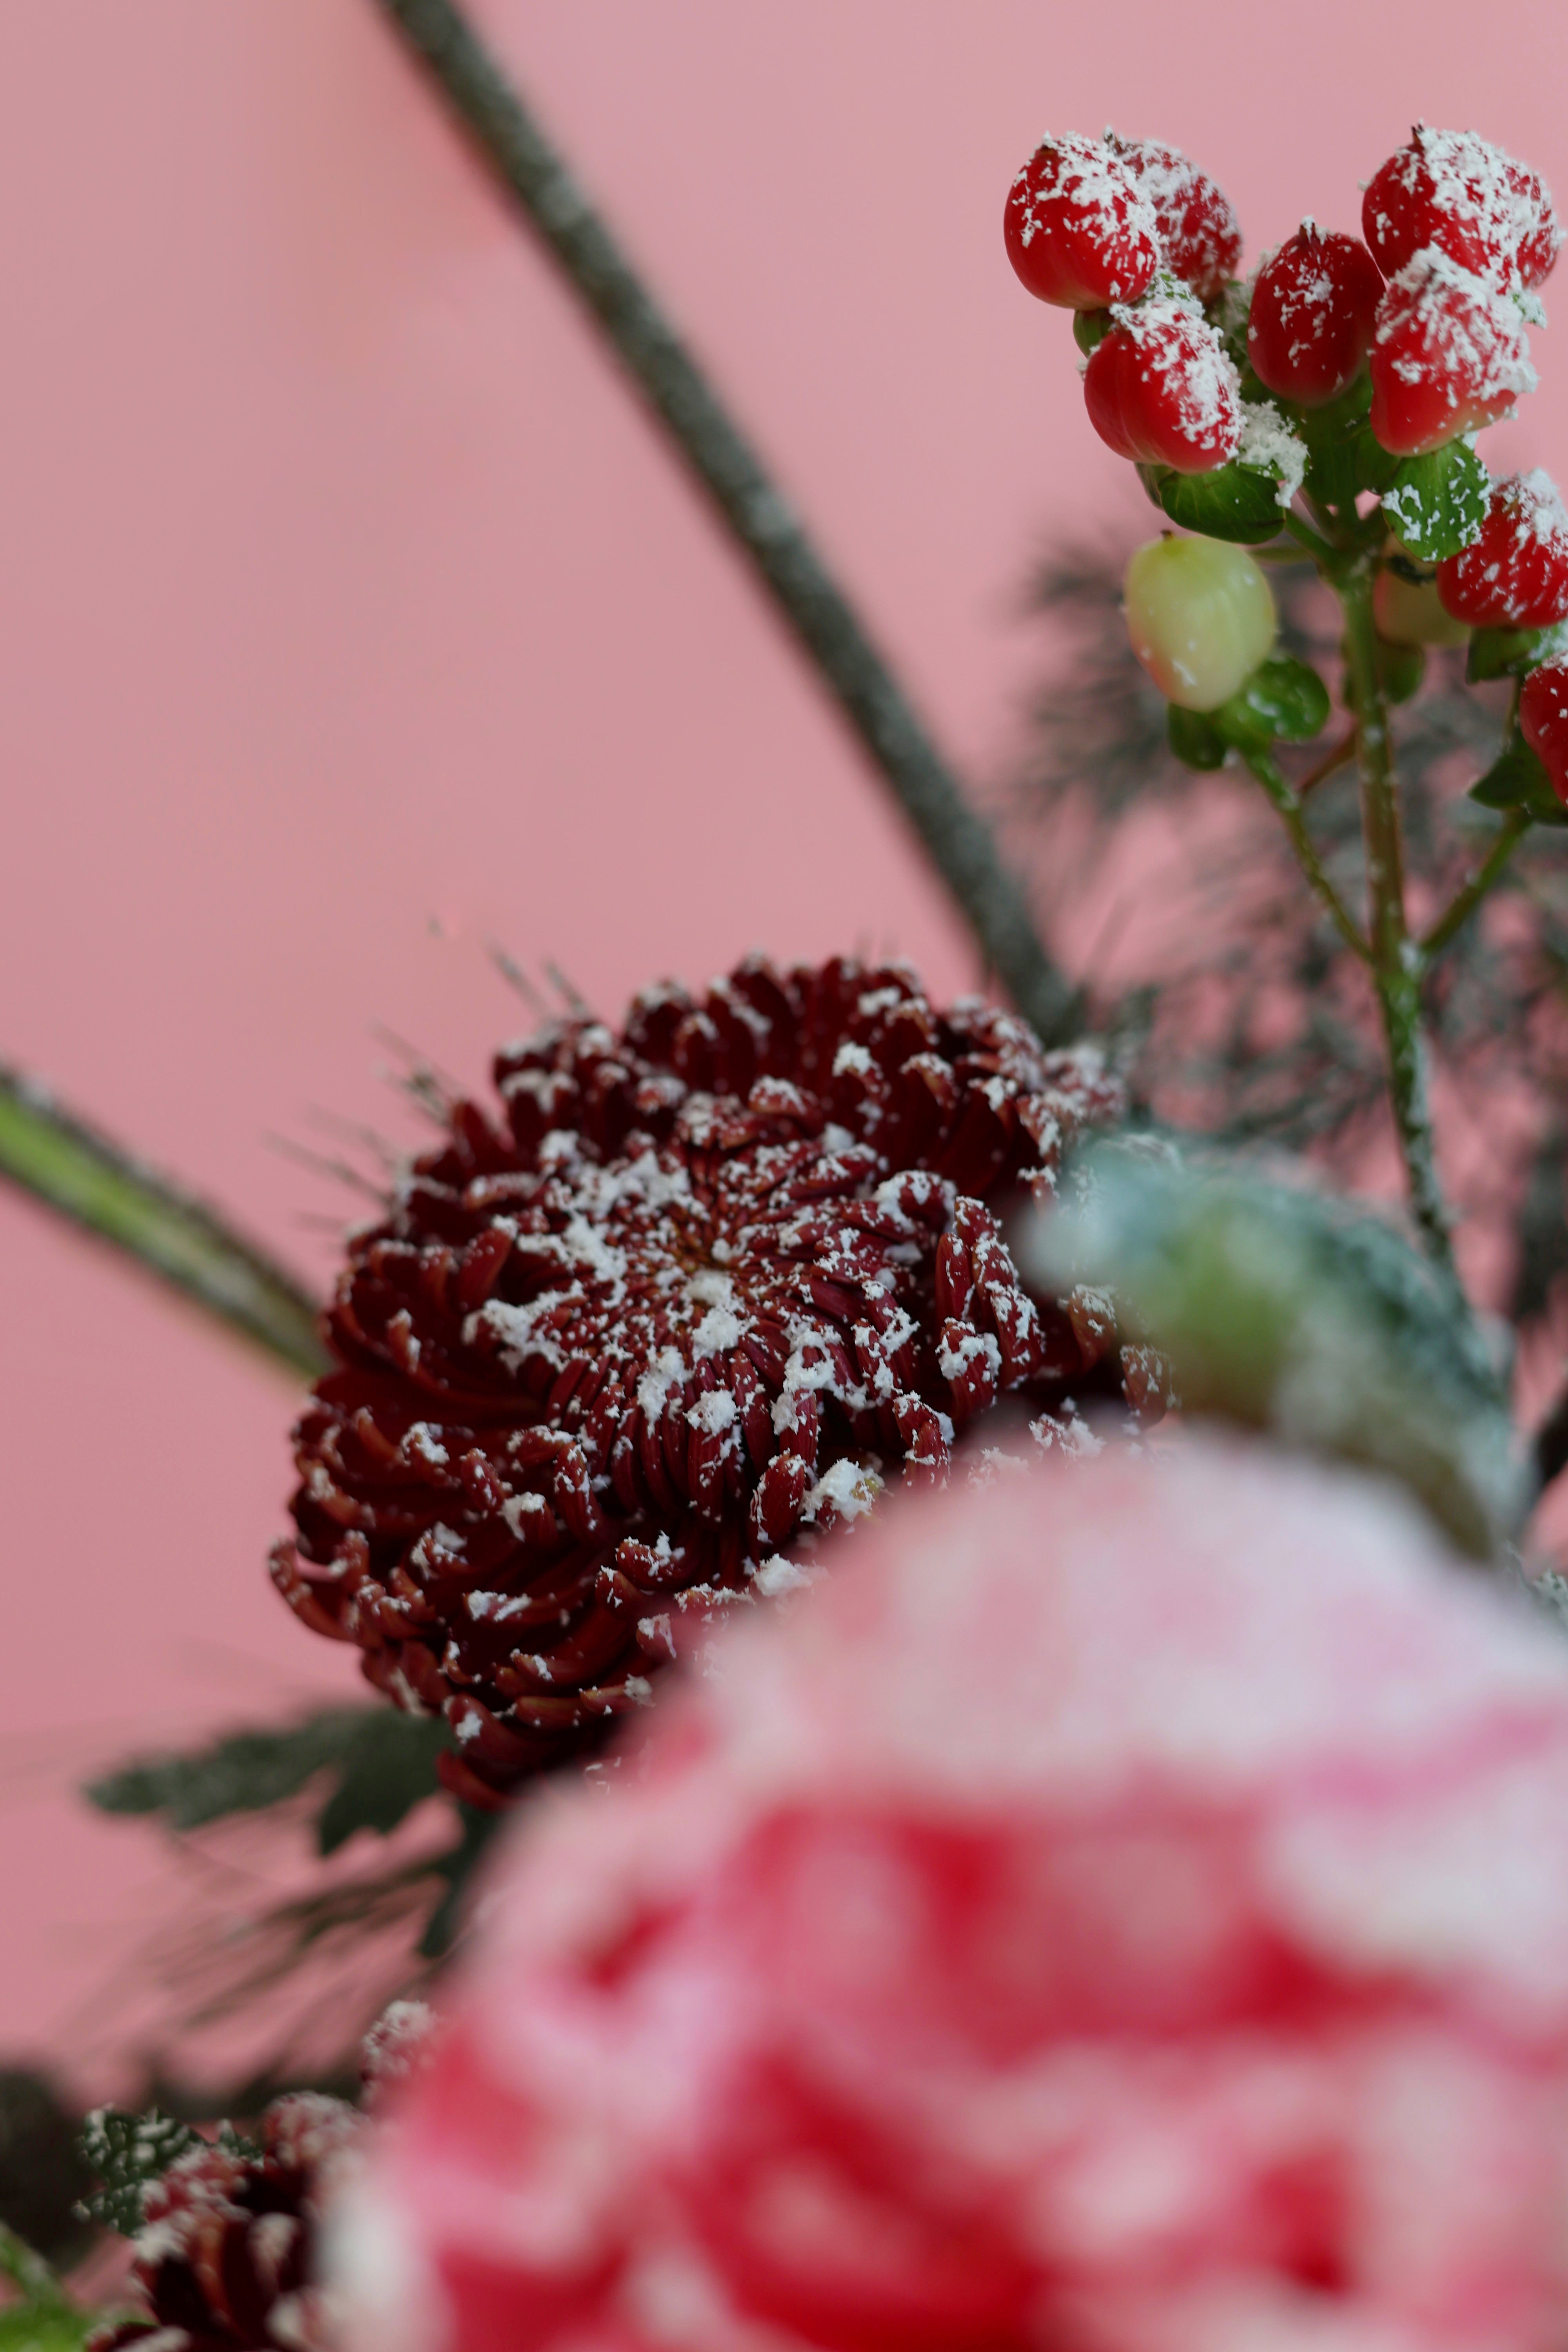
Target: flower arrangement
[991, 1830]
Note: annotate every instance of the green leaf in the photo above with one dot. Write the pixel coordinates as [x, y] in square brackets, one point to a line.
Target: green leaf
[1400, 669]
[381, 1763]
[1516, 778]
[125, 2154]
[82, 1175]
[1090, 329]
[1343, 458]
[1194, 739]
[1284, 700]
[1228, 315]
[1299, 1314]
[44, 2319]
[1233, 502]
[27, 2270]
[1377, 468]
[45, 2327]
[1512, 652]
[1437, 504]
[389, 1768]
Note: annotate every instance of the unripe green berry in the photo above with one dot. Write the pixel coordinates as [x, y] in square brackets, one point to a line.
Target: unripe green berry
[1201, 617]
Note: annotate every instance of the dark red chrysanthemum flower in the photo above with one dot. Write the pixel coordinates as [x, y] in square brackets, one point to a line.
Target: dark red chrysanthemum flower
[227, 2256]
[611, 1361]
[225, 2259]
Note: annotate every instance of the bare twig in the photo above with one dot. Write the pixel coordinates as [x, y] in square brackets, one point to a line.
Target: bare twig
[83, 1176]
[956, 838]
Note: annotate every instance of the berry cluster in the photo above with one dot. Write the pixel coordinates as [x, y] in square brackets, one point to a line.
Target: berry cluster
[1346, 371]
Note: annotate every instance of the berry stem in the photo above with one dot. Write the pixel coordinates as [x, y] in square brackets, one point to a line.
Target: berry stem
[535, 175]
[1515, 825]
[1319, 549]
[1397, 962]
[1289, 803]
[1342, 753]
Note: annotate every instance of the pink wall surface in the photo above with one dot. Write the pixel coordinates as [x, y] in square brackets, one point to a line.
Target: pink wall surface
[351, 614]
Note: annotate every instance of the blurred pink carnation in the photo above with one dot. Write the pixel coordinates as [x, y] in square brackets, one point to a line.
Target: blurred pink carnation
[1128, 1909]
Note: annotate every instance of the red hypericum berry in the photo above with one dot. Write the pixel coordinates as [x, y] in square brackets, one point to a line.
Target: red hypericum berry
[1081, 231]
[1314, 306]
[1543, 721]
[1453, 189]
[1449, 354]
[1514, 576]
[1161, 390]
[1541, 240]
[1198, 228]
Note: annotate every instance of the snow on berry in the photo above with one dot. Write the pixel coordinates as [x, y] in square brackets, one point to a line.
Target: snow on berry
[1515, 574]
[1542, 238]
[1269, 444]
[1080, 231]
[1163, 390]
[1453, 189]
[1198, 228]
[1314, 306]
[1450, 354]
[1543, 721]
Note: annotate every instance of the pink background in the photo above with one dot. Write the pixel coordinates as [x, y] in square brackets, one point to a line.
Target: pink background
[351, 615]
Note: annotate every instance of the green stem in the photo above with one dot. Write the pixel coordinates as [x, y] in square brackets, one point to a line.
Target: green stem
[1515, 825]
[1303, 535]
[37, 2281]
[1288, 804]
[82, 1175]
[1342, 753]
[1397, 962]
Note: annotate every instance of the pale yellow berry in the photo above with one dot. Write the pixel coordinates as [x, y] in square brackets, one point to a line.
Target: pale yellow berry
[1201, 617]
[1409, 613]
